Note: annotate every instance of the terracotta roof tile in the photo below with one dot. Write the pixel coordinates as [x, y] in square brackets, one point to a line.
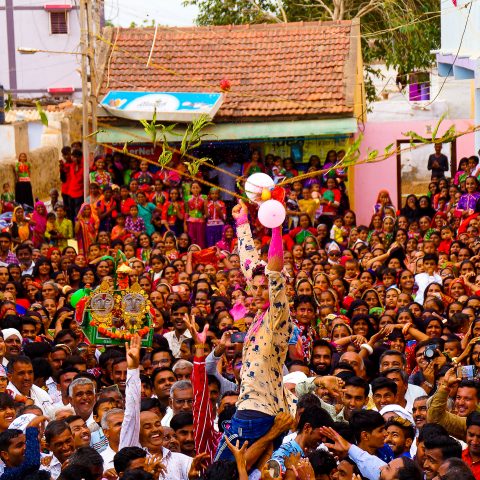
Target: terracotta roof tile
[275, 71]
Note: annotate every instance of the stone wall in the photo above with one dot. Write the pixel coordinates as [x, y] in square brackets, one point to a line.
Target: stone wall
[45, 171]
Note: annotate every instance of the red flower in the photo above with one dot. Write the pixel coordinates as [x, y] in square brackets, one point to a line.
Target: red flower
[225, 85]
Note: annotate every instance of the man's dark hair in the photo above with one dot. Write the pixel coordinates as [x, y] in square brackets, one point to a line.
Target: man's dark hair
[323, 343]
[6, 401]
[473, 418]
[181, 420]
[54, 428]
[160, 370]
[37, 349]
[72, 418]
[64, 371]
[108, 355]
[6, 235]
[24, 246]
[162, 349]
[6, 438]
[18, 359]
[212, 379]
[431, 430]
[323, 463]
[457, 470]
[118, 360]
[123, 458]
[382, 382]
[396, 353]
[410, 470]
[304, 299]
[137, 474]
[470, 384]
[430, 256]
[225, 416]
[403, 373]
[73, 360]
[229, 393]
[358, 383]
[41, 368]
[307, 400]
[38, 475]
[75, 472]
[145, 380]
[151, 403]
[446, 444]
[177, 305]
[365, 421]
[221, 470]
[316, 417]
[86, 456]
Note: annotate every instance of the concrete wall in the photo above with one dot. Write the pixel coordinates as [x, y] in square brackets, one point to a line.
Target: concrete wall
[32, 30]
[45, 171]
[13, 139]
[370, 178]
[453, 21]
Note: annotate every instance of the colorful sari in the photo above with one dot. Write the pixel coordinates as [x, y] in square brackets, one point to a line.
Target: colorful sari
[39, 222]
[87, 233]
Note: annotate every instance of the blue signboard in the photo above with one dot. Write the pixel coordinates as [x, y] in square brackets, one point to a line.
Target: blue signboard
[169, 106]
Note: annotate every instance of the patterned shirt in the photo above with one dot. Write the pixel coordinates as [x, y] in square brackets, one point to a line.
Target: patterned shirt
[266, 344]
[137, 225]
[10, 259]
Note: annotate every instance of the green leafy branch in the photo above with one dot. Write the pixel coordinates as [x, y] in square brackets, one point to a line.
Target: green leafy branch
[42, 114]
[193, 135]
[447, 137]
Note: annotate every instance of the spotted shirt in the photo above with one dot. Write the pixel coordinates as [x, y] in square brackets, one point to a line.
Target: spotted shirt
[266, 344]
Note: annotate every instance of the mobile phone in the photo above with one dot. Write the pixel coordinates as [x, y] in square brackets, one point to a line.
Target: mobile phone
[466, 372]
[238, 337]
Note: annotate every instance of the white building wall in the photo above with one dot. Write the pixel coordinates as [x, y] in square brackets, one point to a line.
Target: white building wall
[40, 71]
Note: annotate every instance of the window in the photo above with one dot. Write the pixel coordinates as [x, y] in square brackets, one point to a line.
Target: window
[59, 23]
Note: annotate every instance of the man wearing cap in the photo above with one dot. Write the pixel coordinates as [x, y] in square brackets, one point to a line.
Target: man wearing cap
[20, 376]
[13, 342]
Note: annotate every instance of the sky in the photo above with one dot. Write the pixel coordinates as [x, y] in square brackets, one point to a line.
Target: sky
[165, 12]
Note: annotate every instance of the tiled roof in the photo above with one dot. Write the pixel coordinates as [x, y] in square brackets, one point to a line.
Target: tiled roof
[276, 71]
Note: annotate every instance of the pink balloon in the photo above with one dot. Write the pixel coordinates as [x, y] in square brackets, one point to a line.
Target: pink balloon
[271, 213]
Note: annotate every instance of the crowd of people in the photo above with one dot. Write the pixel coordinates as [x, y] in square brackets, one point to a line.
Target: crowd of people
[321, 349]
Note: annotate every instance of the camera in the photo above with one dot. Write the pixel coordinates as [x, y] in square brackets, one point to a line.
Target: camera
[430, 352]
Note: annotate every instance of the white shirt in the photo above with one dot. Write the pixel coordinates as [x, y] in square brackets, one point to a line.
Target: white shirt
[177, 464]
[413, 392]
[53, 390]
[167, 418]
[39, 396]
[175, 343]
[55, 467]
[423, 280]
[107, 456]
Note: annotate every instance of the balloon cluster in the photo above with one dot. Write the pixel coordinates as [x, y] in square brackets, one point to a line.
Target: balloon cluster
[261, 189]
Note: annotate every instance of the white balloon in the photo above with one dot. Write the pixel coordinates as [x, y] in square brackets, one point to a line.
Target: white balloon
[271, 213]
[256, 183]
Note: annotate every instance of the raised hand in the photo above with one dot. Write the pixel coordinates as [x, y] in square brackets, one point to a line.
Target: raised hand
[37, 421]
[239, 210]
[199, 464]
[239, 454]
[154, 465]
[340, 446]
[198, 338]
[133, 352]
